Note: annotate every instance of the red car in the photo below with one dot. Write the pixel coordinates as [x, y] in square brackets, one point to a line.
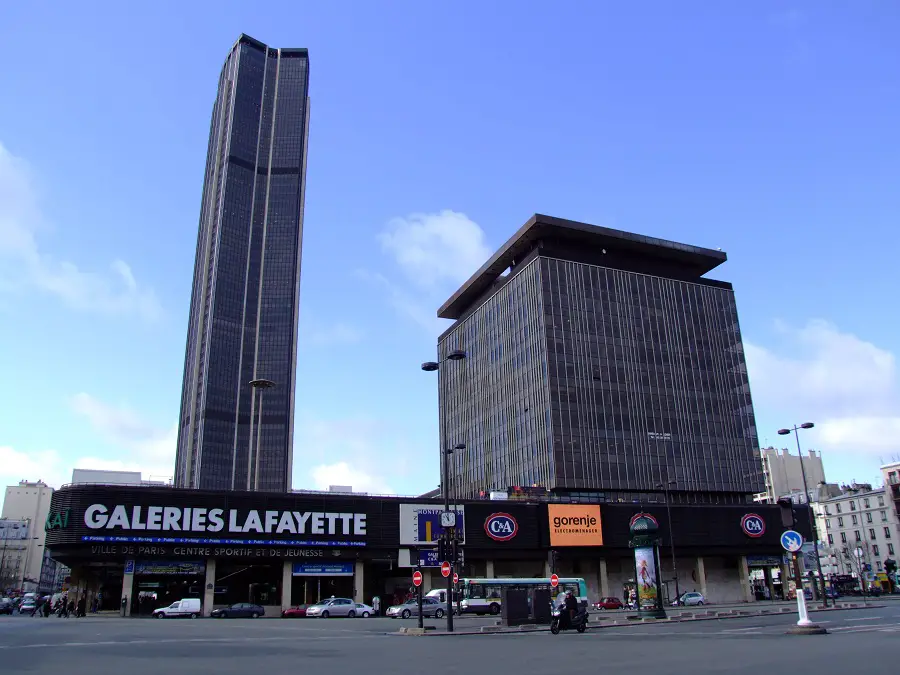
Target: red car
[608, 603]
[297, 612]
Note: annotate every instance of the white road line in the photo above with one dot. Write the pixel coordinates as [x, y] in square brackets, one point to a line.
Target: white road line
[105, 643]
[741, 630]
[864, 618]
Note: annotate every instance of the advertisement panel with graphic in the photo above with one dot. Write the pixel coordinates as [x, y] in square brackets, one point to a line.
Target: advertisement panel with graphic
[645, 566]
[421, 523]
[575, 525]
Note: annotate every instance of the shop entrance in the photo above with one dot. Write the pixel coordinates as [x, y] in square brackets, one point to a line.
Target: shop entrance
[765, 577]
[239, 582]
[313, 582]
[159, 583]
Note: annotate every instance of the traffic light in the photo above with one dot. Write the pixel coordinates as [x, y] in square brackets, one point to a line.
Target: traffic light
[787, 512]
[443, 549]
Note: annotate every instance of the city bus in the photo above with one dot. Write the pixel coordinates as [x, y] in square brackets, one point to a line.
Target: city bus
[483, 596]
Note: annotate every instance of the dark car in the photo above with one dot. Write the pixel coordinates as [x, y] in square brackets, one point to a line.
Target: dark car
[6, 607]
[239, 610]
[297, 612]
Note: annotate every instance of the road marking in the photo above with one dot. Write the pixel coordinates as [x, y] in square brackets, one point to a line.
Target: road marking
[740, 630]
[864, 618]
[104, 643]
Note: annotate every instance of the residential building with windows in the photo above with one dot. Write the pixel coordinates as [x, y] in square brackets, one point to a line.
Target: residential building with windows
[783, 474]
[891, 475]
[28, 505]
[242, 324]
[601, 365]
[861, 525]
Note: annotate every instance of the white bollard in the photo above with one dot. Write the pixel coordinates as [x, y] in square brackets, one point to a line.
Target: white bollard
[801, 607]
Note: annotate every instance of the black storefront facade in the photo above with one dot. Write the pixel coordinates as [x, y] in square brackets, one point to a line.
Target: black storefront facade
[154, 545]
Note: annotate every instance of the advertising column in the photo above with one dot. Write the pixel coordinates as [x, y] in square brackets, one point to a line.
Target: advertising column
[644, 540]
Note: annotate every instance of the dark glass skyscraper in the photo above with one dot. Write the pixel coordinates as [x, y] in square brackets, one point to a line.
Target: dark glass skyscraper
[600, 364]
[243, 317]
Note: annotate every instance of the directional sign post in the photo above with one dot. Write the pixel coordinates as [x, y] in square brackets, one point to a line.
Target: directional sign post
[445, 568]
[417, 582]
[792, 542]
[554, 581]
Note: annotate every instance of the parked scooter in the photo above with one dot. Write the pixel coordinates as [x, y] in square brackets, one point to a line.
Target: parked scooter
[561, 620]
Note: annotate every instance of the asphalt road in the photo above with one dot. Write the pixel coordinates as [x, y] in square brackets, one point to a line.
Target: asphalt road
[353, 646]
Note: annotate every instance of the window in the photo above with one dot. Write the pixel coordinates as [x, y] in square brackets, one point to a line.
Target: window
[827, 511]
[831, 539]
[875, 550]
[853, 505]
[868, 517]
[884, 516]
[872, 534]
[843, 537]
[890, 549]
[828, 523]
[858, 535]
[881, 501]
[837, 507]
[855, 520]
[840, 521]
[887, 533]
[878, 565]
[866, 502]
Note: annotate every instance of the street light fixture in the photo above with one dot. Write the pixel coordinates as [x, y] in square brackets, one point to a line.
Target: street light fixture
[430, 367]
[261, 385]
[812, 522]
[665, 487]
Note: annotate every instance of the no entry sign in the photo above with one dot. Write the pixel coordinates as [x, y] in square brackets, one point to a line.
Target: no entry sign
[417, 579]
[554, 580]
[445, 568]
[455, 578]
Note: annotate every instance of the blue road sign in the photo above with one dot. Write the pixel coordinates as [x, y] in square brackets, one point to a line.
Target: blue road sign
[791, 541]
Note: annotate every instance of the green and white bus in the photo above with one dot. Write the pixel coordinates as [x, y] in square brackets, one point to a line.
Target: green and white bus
[483, 596]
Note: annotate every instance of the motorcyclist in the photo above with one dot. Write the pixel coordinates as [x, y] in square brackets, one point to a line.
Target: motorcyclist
[571, 605]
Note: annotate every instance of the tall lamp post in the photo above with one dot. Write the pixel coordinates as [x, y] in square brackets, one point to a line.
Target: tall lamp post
[666, 486]
[812, 520]
[430, 367]
[253, 458]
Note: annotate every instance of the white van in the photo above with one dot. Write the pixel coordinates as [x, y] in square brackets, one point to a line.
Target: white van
[189, 607]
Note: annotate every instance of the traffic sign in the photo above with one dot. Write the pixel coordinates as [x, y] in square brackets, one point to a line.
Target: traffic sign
[554, 580]
[417, 578]
[791, 541]
[455, 578]
[445, 568]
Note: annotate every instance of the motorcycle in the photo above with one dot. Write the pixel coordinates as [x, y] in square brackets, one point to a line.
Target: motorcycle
[559, 622]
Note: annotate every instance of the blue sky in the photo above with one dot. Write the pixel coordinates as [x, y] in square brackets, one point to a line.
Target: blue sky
[766, 129]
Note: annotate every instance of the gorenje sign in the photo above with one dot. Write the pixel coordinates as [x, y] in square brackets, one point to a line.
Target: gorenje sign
[197, 519]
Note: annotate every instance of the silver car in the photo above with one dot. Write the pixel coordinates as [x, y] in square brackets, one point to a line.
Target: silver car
[430, 607]
[332, 607]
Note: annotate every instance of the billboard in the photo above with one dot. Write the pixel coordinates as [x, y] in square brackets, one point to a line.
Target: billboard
[645, 566]
[575, 525]
[420, 524]
[13, 530]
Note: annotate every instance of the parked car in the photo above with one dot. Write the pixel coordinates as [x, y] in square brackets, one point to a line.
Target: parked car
[608, 603]
[363, 610]
[189, 607]
[239, 610]
[430, 607]
[332, 607]
[26, 606]
[297, 612]
[6, 606]
[690, 600]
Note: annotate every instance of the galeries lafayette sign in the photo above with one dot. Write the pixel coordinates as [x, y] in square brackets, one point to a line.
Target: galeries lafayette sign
[130, 519]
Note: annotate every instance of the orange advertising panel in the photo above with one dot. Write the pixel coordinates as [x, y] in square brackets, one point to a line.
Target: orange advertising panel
[575, 525]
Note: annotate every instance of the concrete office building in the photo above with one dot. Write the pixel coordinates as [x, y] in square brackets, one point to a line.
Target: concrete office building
[27, 503]
[783, 475]
[600, 364]
[244, 306]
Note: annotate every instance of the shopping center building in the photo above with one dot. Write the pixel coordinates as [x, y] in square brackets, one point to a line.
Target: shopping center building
[152, 545]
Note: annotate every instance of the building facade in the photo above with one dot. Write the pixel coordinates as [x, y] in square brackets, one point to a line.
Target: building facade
[783, 474]
[862, 531]
[244, 305]
[154, 545]
[27, 503]
[891, 477]
[598, 363]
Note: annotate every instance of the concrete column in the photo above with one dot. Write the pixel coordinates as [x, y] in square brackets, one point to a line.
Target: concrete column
[770, 583]
[744, 571]
[287, 580]
[127, 589]
[701, 575]
[489, 570]
[209, 587]
[547, 570]
[604, 579]
[427, 573]
[359, 586]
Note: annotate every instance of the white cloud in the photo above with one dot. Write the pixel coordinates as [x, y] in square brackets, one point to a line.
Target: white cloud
[436, 247]
[327, 335]
[844, 384]
[414, 307]
[24, 265]
[341, 473]
[150, 449]
[45, 465]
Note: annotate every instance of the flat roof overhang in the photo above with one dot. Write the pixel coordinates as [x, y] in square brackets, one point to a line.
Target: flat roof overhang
[540, 227]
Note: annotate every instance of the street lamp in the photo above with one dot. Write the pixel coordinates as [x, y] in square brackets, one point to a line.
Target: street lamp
[430, 367]
[666, 486]
[261, 385]
[812, 521]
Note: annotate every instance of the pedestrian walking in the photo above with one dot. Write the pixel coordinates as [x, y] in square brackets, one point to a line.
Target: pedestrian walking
[376, 604]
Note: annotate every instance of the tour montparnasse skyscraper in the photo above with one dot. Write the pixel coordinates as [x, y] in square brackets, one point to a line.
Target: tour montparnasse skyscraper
[244, 305]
